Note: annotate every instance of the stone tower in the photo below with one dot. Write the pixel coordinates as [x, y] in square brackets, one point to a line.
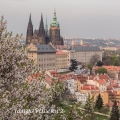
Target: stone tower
[29, 31]
[46, 33]
[41, 33]
[55, 37]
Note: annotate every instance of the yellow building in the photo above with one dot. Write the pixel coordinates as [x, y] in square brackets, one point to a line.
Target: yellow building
[44, 56]
[114, 95]
[62, 59]
[104, 96]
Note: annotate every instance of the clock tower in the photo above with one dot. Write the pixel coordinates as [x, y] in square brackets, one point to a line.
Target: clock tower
[55, 37]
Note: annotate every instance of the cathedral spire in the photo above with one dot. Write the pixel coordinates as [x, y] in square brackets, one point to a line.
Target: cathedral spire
[54, 22]
[30, 26]
[29, 29]
[46, 26]
[41, 27]
[30, 21]
[55, 18]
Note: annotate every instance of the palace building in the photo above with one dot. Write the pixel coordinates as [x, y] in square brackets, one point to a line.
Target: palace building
[43, 35]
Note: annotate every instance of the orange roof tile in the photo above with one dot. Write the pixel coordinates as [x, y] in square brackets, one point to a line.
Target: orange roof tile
[90, 87]
[101, 82]
[60, 52]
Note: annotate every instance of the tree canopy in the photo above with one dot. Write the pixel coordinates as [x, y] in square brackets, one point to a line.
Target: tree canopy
[101, 71]
[94, 59]
[99, 63]
[114, 115]
[74, 65]
[99, 102]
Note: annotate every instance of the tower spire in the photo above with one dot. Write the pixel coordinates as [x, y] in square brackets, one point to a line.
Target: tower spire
[41, 27]
[29, 30]
[54, 22]
[54, 11]
[46, 26]
[30, 21]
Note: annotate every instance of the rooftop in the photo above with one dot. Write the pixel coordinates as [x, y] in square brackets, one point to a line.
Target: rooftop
[85, 48]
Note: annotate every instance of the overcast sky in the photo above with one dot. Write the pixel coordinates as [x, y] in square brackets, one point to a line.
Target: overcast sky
[77, 18]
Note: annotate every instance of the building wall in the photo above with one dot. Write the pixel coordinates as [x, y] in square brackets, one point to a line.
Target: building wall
[92, 82]
[104, 96]
[61, 61]
[71, 87]
[68, 57]
[46, 61]
[33, 56]
[84, 56]
[81, 97]
[109, 48]
[102, 87]
[78, 86]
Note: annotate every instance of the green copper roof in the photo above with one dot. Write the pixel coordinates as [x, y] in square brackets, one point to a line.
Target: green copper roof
[46, 26]
[54, 22]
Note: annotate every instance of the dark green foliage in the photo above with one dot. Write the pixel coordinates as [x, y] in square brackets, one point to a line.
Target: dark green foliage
[99, 63]
[74, 65]
[114, 115]
[111, 60]
[90, 66]
[99, 102]
[101, 70]
[106, 60]
[89, 109]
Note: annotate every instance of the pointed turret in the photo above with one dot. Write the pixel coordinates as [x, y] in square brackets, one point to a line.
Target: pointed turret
[30, 21]
[35, 32]
[29, 30]
[30, 27]
[46, 28]
[46, 25]
[55, 18]
[54, 22]
[41, 27]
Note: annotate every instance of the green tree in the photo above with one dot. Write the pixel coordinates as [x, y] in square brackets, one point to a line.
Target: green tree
[99, 63]
[94, 59]
[90, 66]
[74, 65]
[101, 70]
[99, 102]
[114, 60]
[114, 115]
[89, 109]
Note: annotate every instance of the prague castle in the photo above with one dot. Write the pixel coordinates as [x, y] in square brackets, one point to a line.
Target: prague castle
[43, 35]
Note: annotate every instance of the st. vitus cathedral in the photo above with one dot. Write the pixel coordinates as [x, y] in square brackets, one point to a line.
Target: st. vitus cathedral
[43, 35]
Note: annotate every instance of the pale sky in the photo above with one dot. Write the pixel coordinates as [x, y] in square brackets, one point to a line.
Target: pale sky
[77, 18]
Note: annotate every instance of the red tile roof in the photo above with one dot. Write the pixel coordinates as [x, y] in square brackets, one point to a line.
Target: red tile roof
[101, 82]
[60, 52]
[90, 87]
[103, 76]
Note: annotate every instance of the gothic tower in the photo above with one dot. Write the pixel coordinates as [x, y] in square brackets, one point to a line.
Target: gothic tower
[46, 32]
[55, 37]
[29, 31]
[42, 35]
[41, 32]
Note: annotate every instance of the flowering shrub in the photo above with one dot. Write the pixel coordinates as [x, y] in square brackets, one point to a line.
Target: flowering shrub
[20, 98]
